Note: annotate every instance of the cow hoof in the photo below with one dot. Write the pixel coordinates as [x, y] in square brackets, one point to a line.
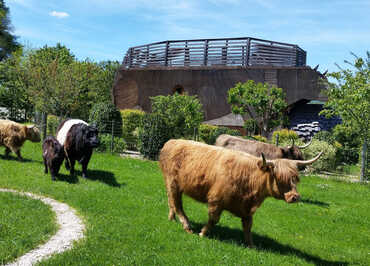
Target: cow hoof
[189, 230]
[53, 178]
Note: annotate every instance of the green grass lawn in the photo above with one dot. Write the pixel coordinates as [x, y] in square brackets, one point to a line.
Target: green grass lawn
[124, 206]
[24, 224]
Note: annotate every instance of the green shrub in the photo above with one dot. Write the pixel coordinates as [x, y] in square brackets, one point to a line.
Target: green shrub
[350, 144]
[327, 161]
[153, 134]
[285, 135]
[206, 132]
[53, 122]
[119, 145]
[105, 116]
[132, 120]
[182, 113]
[260, 138]
[325, 136]
[209, 133]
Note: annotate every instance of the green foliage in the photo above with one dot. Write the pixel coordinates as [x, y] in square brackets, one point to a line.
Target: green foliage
[153, 134]
[53, 122]
[349, 98]
[209, 133]
[119, 144]
[107, 118]
[261, 102]
[285, 135]
[182, 113]
[260, 138]
[132, 120]
[13, 86]
[326, 136]
[350, 144]
[8, 41]
[251, 126]
[327, 161]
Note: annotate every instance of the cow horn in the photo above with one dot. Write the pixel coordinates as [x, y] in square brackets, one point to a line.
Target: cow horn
[263, 160]
[306, 145]
[316, 67]
[325, 73]
[308, 162]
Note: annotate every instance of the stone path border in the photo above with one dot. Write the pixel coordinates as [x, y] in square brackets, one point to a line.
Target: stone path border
[71, 228]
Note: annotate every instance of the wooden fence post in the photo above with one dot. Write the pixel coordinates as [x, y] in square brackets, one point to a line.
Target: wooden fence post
[277, 139]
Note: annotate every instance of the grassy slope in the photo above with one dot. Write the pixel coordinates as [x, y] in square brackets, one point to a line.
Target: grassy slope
[24, 224]
[124, 205]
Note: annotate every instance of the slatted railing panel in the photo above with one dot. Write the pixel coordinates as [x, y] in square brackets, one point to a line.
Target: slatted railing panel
[215, 52]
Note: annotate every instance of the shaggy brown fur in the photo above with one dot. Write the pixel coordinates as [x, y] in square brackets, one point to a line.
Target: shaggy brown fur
[256, 148]
[225, 180]
[13, 135]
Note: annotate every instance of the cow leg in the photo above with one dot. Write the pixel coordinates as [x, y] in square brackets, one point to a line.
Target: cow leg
[53, 173]
[46, 166]
[214, 214]
[171, 206]
[18, 152]
[175, 202]
[66, 164]
[247, 225]
[7, 151]
[72, 165]
[85, 161]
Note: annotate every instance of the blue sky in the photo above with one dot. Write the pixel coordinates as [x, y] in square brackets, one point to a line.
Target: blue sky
[104, 29]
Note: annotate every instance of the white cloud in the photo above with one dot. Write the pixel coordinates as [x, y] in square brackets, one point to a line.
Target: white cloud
[59, 14]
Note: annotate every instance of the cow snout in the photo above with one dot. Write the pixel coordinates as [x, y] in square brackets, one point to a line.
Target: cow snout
[291, 197]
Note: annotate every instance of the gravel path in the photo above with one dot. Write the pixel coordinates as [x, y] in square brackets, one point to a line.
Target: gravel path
[71, 228]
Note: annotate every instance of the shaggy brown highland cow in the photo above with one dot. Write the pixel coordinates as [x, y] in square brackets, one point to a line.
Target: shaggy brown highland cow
[225, 180]
[13, 135]
[256, 148]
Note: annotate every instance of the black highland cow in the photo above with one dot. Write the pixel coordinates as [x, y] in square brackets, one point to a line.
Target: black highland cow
[53, 155]
[78, 140]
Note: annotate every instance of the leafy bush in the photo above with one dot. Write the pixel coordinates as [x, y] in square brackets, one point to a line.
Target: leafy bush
[132, 120]
[53, 122]
[182, 113]
[350, 144]
[327, 161]
[104, 116]
[285, 135]
[260, 138]
[206, 132]
[119, 145]
[325, 136]
[209, 133]
[153, 134]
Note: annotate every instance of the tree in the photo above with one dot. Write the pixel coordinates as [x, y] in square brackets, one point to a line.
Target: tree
[8, 43]
[182, 113]
[349, 98]
[263, 103]
[13, 86]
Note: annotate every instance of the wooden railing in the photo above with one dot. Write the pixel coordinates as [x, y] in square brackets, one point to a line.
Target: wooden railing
[215, 52]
